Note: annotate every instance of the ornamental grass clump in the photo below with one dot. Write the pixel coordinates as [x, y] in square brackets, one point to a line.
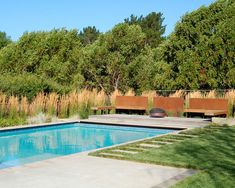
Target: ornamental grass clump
[211, 94]
[85, 102]
[3, 105]
[51, 104]
[230, 95]
[178, 93]
[24, 107]
[86, 99]
[64, 106]
[130, 92]
[100, 99]
[38, 104]
[13, 107]
[113, 97]
[73, 98]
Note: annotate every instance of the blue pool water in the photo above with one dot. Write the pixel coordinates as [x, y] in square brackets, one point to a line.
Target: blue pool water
[23, 146]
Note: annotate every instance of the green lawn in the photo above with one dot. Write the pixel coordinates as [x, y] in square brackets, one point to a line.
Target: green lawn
[210, 150]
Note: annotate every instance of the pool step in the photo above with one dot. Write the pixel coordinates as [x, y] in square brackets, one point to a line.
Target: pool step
[150, 145]
[125, 151]
[111, 154]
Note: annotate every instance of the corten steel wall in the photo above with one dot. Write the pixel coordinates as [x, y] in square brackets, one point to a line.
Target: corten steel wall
[131, 102]
[208, 104]
[174, 105]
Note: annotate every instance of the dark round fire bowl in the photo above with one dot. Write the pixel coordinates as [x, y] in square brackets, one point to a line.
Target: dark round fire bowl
[157, 113]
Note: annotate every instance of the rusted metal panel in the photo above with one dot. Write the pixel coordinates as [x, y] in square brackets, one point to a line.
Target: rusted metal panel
[208, 104]
[131, 102]
[173, 105]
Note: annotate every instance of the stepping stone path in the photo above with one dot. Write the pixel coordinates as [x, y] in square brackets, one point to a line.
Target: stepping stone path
[125, 151]
[141, 147]
[161, 142]
[111, 155]
[187, 135]
[169, 140]
[150, 145]
[136, 148]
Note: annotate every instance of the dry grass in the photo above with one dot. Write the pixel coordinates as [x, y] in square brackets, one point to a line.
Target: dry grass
[230, 95]
[38, 104]
[113, 97]
[179, 93]
[211, 94]
[195, 94]
[100, 99]
[130, 92]
[85, 97]
[24, 106]
[63, 106]
[51, 104]
[13, 106]
[74, 102]
[3, 105]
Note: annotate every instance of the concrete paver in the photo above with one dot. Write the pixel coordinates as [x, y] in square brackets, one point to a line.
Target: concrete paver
[137, 120]
[84, 171]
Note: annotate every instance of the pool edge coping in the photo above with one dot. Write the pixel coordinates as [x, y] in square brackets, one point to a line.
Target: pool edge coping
[86, 121]
[87, 153]
[40, 125]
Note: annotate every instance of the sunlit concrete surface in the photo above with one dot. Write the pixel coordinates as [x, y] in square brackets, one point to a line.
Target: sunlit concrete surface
[80, 170]
[138, 120]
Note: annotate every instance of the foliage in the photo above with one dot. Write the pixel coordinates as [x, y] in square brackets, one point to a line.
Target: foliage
[201, 51]
[151, 25]
[134, 55]
[84, 110]
[51, 55]
[4, 40]
[88, 35]
[6, 122]
[28, 85]
[104, 64]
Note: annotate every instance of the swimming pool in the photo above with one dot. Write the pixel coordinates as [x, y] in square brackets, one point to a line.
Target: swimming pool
[23, 146]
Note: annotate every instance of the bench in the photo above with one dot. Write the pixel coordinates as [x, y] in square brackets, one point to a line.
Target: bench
[207, 107]
[172, 105]
[138, 104]
[102, 109]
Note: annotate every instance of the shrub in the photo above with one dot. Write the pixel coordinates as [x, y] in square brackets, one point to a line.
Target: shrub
[84, 110]
[6, 122]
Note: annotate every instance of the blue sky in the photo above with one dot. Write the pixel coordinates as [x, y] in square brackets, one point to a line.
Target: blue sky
[18, 16]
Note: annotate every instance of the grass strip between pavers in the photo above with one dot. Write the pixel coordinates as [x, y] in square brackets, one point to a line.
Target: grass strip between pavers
[210, 150]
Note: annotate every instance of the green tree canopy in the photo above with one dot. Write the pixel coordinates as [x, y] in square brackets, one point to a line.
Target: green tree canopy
[4, 40]
[201, 50]
[104, 64]
[50, 55]
[152, 26]
[88, 35]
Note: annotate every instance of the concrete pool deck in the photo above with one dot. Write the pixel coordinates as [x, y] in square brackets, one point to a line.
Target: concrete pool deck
[146, 121]
[83, 171]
